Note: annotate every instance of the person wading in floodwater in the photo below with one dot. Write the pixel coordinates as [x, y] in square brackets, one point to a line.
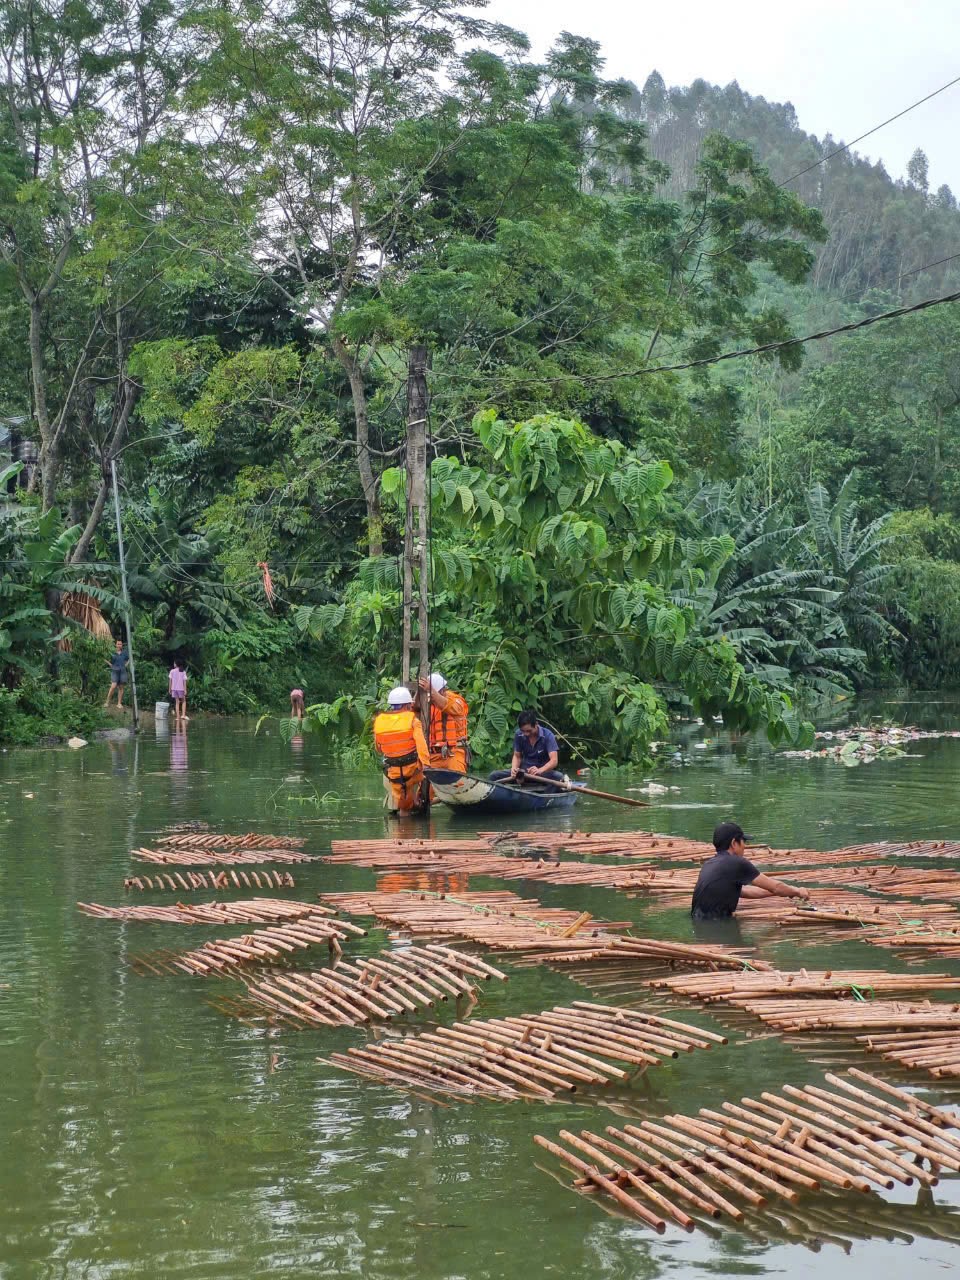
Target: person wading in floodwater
[118, 673]
[728, 876]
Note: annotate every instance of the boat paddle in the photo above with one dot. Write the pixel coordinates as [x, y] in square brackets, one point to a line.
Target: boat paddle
[585, 791]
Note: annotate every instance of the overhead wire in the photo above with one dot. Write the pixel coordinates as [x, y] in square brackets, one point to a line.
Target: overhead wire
[869, 133]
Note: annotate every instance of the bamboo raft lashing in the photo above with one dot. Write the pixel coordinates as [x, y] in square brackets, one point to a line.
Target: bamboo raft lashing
[249, 911]
[265, 878]
[189, 857]
[535, 1056]
[729, 1163]
[378, 988]
[216, 840]
[270, 945]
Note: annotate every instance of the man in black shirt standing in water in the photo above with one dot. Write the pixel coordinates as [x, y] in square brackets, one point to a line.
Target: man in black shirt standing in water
[728, 876]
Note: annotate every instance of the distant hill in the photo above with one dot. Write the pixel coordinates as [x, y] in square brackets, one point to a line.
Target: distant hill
[881, 230]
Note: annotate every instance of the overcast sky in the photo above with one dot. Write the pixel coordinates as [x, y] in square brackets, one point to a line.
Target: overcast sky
[844, 64]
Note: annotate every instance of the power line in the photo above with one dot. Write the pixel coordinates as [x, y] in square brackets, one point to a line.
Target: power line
[928, 265]
[786, 342]
[876, 128]
[741, 352]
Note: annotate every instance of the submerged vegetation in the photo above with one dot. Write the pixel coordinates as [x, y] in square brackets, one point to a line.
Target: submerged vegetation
[221, 229]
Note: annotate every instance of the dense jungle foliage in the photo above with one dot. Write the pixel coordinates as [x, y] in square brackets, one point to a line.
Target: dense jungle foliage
[222, 228]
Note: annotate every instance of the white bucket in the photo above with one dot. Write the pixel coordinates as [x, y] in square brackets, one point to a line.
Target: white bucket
[160, 710]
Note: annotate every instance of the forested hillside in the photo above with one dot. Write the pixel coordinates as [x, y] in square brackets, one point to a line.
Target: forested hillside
[222, 229]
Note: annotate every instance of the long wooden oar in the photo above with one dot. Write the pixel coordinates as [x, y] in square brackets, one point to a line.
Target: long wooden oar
[588, 791]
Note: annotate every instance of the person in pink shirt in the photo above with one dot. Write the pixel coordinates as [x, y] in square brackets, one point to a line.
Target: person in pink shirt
[177, 689]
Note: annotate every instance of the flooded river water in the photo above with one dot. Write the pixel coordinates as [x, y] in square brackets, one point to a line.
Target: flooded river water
[146, 1134]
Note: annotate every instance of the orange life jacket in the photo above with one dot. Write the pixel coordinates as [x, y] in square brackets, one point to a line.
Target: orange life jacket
[448, 727]
[395, 738]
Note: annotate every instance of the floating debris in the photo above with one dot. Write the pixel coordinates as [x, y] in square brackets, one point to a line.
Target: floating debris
[865, 744]
[535, 1056]
[731, 1162]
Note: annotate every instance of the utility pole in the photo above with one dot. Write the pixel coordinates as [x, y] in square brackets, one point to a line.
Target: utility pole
[126, 593]
[416, 538]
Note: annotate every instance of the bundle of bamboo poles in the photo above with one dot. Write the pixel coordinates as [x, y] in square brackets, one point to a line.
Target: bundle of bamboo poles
[263, 946]
[730, 1162]
[250, 911]
[915, 882]
[535, 1056]
[851, 1017]
[477, 864]
[936, 1051]
[348, 850]
[776, 984]
[264, 879]
[218, 857]
[499, 920]
[633, 956]
[378, 988]
[214, 840]
[938, 941]
[832, 908]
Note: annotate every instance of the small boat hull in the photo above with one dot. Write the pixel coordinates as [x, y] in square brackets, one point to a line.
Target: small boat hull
[467, 794]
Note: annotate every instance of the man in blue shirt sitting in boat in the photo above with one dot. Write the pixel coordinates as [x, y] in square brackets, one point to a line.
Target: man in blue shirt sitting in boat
[535, 751]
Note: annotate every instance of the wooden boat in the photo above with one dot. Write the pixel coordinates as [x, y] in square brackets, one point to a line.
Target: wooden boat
[467, 794]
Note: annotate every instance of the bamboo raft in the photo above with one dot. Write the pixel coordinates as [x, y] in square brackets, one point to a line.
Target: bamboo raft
[536, 1056]
[273, 944]
[376, 989]
[249, 911]
[217, 880]
[915, 882]
[835, 908]
[219, 857]
[933, 941]
[638, 956]
[214, 840]
[498, 920]
[729, 1163]
[739, 988]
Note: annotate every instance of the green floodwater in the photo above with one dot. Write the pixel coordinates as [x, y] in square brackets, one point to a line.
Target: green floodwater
[145, 1134]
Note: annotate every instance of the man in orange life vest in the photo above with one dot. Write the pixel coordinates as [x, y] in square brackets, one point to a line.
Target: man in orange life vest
[398, 736]
[449, 748]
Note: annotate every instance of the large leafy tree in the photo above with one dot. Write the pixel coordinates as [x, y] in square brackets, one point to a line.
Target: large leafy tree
[553, 557]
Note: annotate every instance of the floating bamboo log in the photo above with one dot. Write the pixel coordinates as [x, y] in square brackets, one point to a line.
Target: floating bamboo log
[928, 941]
[250, 911]
[631, 956]
[265, 878]
[733, 1161]
[216, 840]
[270, 945]
[536, 1056]
[190, 857]
[376, 989]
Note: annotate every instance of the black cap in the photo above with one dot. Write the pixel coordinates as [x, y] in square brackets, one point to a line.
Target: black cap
[725, 834]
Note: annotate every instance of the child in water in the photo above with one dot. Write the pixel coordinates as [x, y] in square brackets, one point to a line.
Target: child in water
[296, 705]
[177, 689]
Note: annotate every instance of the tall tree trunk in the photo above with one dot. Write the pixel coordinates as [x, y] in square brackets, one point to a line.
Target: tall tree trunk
[49, 447]
[369, 481]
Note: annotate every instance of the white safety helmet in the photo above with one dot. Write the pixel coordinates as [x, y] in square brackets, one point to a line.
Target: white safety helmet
[437, 682]
[399, 697]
